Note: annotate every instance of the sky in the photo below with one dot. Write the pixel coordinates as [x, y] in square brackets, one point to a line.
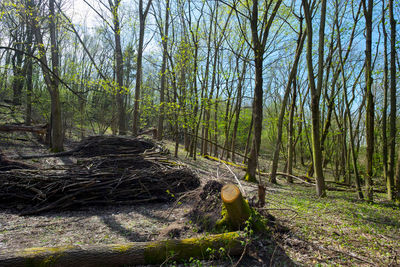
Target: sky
[80, 12]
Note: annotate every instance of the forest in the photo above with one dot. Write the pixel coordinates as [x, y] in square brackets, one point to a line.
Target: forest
[280, 116]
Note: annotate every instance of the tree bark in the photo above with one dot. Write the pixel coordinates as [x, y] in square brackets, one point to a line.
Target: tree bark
[292, 76]
[370, 99]
[389, 182]
[259, 43]
[291, 143]
[29, 73]
[52, 82]
[142, 23]
[393, 104]
[119, 68]
[134, 253]
[238, 210]
[164, 38]
[316, 92]
[237, 109]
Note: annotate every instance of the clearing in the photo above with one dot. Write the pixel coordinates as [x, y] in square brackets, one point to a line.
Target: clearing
[306, 230]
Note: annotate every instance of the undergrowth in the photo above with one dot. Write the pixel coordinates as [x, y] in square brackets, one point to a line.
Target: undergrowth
[338, 229]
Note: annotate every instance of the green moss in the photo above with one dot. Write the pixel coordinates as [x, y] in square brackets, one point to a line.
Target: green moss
[56, 150]
[30, 252]
[256, 221]
[39, 257]
[250, 178]
[121, 247]
[158, 252]
[226, 162]
[223, 223]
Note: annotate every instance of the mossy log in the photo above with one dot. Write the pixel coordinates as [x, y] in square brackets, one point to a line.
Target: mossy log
[135, 253]
[237, 209]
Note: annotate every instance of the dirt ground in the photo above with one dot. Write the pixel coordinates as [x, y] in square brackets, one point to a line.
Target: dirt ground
[305, 230]
[118, 224]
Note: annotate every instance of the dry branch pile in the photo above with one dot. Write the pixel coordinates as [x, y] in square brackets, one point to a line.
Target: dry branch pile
[123, 174]
[111, 145]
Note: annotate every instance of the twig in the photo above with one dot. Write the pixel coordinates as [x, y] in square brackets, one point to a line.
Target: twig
[295, 177]
[237, 180]
[241, 256]
[272, 257]
[177, 202]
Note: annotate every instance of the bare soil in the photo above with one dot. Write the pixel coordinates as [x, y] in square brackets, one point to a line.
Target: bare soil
[305, 230]
[107, 224]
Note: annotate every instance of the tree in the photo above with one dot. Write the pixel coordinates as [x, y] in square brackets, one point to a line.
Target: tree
[259, 37]
[368, 7]
[142, 23]
[164, 39]
[389, 180]
[316, 91]
[51, 78]
[292, 77]
[119, 67]
[393, 105]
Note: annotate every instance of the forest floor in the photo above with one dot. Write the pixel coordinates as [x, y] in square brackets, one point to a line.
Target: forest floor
[306, 230]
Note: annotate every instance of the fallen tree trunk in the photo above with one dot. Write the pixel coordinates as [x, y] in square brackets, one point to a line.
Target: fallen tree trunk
[135, 253]
[41, 129]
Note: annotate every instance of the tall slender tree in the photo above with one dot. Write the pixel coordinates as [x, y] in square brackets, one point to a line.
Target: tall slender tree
[143, 11]
[119, 67]
[51, 79]
[368, 8]
[393, 105]
[259, 37]
[316, 90]
[164, 40]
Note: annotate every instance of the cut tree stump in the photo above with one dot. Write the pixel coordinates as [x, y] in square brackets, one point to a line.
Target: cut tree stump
[237, 209]
[135, 253]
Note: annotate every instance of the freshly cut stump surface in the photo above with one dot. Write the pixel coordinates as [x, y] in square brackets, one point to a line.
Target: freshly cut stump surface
[238, 210]
[230, 193]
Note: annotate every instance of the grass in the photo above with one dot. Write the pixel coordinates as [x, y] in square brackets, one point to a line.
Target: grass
[338, 229]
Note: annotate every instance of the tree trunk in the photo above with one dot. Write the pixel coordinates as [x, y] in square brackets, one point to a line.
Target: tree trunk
[393, 105]
[119, 68]
[134, 253]
[163, 71]
[18, 74]
[291, 133]
[142, 22]
[237, 109]
[316, 92]
[238, 210]
[246, 150]
[389, 182]
[292, 76]
[370, 100]
[257, 120]
[51, 79]
[259, 41]
[29, 75]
